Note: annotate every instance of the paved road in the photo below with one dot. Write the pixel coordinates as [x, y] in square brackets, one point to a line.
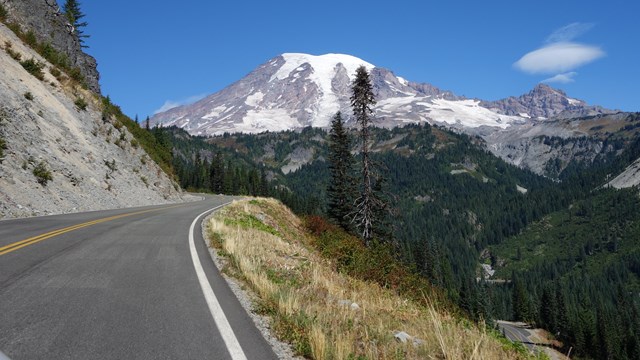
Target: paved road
[516, 333]
[119, 284]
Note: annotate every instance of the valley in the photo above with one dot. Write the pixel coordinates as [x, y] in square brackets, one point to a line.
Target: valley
[320, 206]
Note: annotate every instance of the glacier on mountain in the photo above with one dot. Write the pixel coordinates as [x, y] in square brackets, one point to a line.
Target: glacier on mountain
[296, 90]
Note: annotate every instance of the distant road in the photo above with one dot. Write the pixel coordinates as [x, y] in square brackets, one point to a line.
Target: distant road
[518, 333]
[119, 284]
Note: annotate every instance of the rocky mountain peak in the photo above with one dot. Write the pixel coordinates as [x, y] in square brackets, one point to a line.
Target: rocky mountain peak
[544, 102]
[543, 89]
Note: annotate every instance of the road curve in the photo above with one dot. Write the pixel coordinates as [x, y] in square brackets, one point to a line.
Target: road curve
[516, 333]
[117, 284]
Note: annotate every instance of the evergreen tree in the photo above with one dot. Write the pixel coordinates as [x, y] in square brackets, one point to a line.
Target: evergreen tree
[146, 123]
[217, 181]
[341, 187]
[366, 205]
[520, 299]
[74, 16]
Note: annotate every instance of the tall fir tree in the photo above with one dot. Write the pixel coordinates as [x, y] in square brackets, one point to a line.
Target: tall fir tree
[368, 204]
[74, 15]
[341, 189]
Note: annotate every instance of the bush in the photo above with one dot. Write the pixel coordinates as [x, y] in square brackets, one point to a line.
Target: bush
[34, 67]
[30, 39]
[376, 263]
[3, 147]
[55, 72]
[28, 95]
[42, 173]
[3, 13]
[81, 104]
[76, 75]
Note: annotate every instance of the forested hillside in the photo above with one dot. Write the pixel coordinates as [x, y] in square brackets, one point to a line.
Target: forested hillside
[455, 206]
[577, 273]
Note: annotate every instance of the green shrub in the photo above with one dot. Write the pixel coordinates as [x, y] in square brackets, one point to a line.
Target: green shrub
[34, 67]
[81, 104]
[30, 39]
[28, 95]
[42, 173]
[375, 263]
[3, 147]
[76, 75]
[134, 143]
[3, 13]
[55, 72]
[15, 27]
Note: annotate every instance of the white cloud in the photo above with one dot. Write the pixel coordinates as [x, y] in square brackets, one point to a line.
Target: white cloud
[561, 55]
[170, 104]
[562, 78]
[558, 58]
[569, 32]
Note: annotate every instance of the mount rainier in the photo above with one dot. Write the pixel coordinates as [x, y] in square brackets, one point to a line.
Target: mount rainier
[293, 91]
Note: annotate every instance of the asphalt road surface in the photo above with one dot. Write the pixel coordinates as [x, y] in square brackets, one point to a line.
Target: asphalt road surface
[119, 284]
[516, 333]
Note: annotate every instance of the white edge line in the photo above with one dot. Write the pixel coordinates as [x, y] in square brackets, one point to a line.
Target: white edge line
[229, 338]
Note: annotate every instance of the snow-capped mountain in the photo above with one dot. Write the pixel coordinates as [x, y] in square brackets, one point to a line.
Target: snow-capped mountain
[293, 91]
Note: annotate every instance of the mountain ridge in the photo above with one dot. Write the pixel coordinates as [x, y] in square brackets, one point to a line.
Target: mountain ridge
[295, 90]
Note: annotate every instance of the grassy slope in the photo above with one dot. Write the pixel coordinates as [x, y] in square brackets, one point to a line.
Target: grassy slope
[307, 281]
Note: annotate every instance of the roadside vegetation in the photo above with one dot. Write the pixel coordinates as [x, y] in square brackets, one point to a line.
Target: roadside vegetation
[42, 173]
[333, 298]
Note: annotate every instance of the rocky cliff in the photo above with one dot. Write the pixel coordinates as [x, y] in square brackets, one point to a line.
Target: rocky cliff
[45, 19]
[58, 152]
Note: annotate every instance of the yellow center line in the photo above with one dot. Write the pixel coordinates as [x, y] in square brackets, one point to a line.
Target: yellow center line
[36, 239]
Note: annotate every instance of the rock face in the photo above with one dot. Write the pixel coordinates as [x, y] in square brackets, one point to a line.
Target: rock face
[544, 155]
[628, 178]
[93, 163]
[49, 25]
[544, 102]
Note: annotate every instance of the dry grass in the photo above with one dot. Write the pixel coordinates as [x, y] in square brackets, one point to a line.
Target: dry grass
[311, 304]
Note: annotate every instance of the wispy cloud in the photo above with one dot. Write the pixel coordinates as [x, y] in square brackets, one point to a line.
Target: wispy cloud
[569, 32]
[170, 104]
[558, 57]
[564, 78]
[561, 55]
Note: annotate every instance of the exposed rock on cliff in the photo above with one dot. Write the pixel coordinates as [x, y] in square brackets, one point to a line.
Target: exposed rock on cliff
[45, 19]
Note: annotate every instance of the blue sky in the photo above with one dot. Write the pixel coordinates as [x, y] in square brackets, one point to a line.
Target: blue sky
[155, 53]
